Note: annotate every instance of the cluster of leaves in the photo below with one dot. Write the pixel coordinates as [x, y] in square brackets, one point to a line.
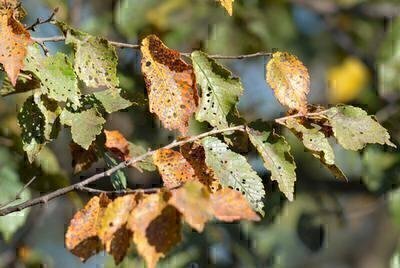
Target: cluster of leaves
[205, 178]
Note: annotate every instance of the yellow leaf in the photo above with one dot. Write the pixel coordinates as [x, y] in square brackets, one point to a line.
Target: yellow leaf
[14, 39]
[170, 84]
[156, 227]
[289, 79]
[173, 167]
[346, 80]
[228, 5]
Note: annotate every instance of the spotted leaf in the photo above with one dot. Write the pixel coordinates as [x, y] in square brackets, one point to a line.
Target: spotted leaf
[170, 84]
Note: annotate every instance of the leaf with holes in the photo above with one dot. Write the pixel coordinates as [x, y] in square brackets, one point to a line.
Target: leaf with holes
[220, 91]
[173, 167]
[354, 128]
[85, 125]
[233, 171]
[316, 142]
[170, 84]
[38, 120]
[228, 5]
[95, 59]
[156, 227]
[193, 202]
[56, 74]
[14, 39]
[230, 205]
[275, 152]
[113, 231]
[195, 155]
[81, 237]
[289, 79]
[118, 178]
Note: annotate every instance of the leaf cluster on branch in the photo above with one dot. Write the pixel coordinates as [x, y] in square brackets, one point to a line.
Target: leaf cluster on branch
[202, 180]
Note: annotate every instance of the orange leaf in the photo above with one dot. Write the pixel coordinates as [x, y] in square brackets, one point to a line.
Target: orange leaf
[113, 232]
[170, 84]
[156, 228]
[14, 39]
[173, 167]
[193, 201]
[289, 79]
[82, 159]
[81, 237]
[195, 155]
[116, 143]
[230, 205]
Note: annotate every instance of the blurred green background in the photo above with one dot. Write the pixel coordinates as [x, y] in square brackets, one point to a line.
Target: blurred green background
[352, 50]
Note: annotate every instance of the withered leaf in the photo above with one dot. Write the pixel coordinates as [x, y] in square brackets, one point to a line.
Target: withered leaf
[113, 231]
[81, 237]
[82, 159]
[230, 205]
[116, 143]
[156, 227]
[170, 84]
[14, 39]
[193, 201]
[289, 79]
[173, 167]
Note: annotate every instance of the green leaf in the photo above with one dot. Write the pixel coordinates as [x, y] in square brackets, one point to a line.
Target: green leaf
[85, 125]
[220, 91]
[55, 73]
[354, 128]
[118, 178]
[137, 150]
[9, 187]
[389, 63]
[38, 120]
[233, 171]
[95, 59]
[275, 152]
[112, 100]
[316, 142]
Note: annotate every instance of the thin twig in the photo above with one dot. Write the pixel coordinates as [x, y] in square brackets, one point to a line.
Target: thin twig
[43, 21]
[18, 195]
[136, 46]
[80, 185]
[308, 115]
[124, 192]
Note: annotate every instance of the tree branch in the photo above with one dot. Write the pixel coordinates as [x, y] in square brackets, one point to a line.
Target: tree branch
[18, 195]
[41, 41]
[43, 21]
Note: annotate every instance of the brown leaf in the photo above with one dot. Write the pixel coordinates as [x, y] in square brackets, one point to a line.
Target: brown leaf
[173, 167]
[193, 201]
[170, 84]
[228, 5]
[14, 39]
[116, 143]
[195, 155]
[230, 205]
[81, 237]
[113, 232]
[156, 228]
[289, 79]
[82, 159]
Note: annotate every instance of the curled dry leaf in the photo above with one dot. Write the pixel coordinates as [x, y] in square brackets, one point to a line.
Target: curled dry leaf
[82, 159]
[81, 237]
[193, 201]
[156, 227]
[230, 205]
[116, 143]
[113, 231]
[289, 79]
[170, 84]
[14, 39]
[173, 167]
